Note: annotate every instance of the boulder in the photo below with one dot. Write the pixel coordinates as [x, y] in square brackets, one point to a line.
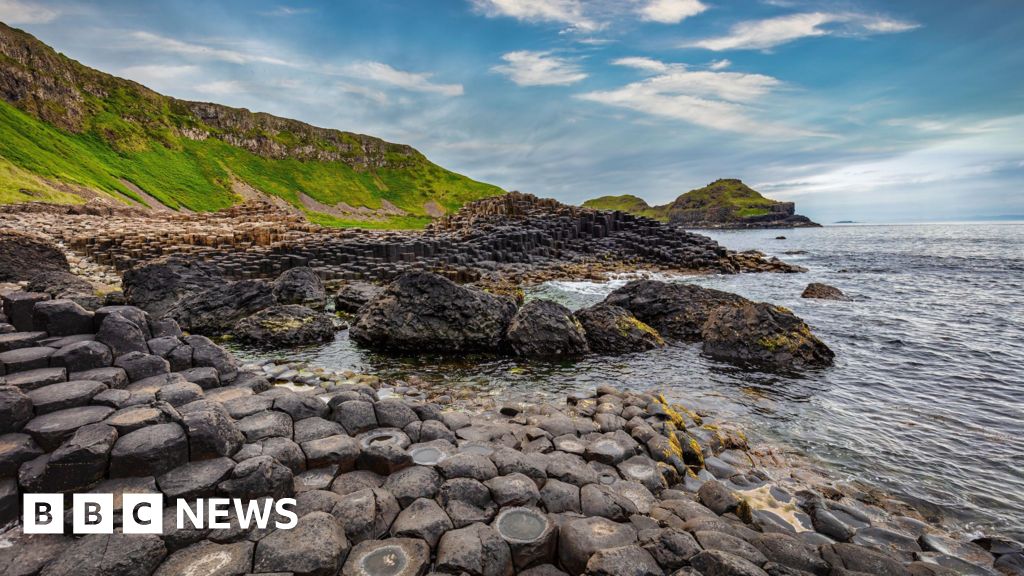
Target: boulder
[259, 476]
[423, 519]
[413, 483]
[421, 311]
[23, 255]
[207, 354]
[149, 451]
[546, 328]
[764, 335]
[315, 547]
[158, 285]
[476, 550]
[122, 335]
[366, 514]
[579, 539]
[60, 284]
[823, 292]
[352, 296]
[216, 310]
[284, 326]
[300, 286]
[139, 365]
[15, 409]
[211, 432]
[614, 330]
[674, 310]
[61, 318]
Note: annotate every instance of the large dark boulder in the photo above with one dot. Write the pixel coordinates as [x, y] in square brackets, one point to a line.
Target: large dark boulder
[287, 325]
[15, 409]
[60, 284]
[23, 255]
[674, 310]
[421, 311]
[546, 328]
[300, 286]
[613, 330]
[217, 309]
[352, 296]
[823, 292]
[761, 334]
[61, 318]
[158, 285]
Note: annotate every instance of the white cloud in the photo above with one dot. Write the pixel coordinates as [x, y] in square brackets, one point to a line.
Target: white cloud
[148, 40]
[156, 74]
[527, 68]
[413, 81]
[22, 12]
[369, 93]
[670, 11]
[718, 100]
[568, 12]
[284, 11]
[765, 34]
[221, 88]
[720, 64]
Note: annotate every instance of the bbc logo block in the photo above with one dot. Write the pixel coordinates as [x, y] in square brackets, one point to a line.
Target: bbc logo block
[92, 513]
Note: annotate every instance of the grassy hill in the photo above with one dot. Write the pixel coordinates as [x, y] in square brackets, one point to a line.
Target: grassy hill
[630, 204]
[722, 200]
[69, 132]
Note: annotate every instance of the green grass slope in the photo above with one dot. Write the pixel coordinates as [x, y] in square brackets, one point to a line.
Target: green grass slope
[629, 204]
[65, 127]
[729, 195]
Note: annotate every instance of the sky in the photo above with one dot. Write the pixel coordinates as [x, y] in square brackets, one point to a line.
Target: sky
[862, 110]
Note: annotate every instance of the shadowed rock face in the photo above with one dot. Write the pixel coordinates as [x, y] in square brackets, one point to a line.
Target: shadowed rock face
[289, 325]
[545, 328]
[761, 334]
[157, 286]
[613, 330]
[422, 311]
[23, 255]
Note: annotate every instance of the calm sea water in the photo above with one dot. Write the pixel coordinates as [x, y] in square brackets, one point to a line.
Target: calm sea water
[926, 397]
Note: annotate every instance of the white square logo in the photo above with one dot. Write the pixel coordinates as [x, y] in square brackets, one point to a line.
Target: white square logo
[142, 513]
[43, 513]
[93, 514]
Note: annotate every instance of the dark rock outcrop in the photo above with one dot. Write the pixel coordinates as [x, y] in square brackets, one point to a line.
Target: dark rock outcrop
[217, 309]
[158, 285]
[546, 328]
[765, 335]
[287, 325]
[613, 330]
[23, 255]
[300, 286]
[674, 310]
[352, 296]
[421, 311]
[823, 292]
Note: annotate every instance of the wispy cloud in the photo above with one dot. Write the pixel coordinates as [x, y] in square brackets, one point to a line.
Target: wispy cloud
[221, 87]
[720, 64]
[24, 12]
[154, 75]
[772, 32]
[150, 41]
[527, 68]
[413, 81]
[566, 12]
[670, 11]
[285, 11]
[718, 100]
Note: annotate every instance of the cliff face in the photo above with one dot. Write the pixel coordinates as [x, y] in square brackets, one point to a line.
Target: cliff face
[69, 133]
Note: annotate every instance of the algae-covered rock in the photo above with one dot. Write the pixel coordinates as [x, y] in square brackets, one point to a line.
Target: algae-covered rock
[764, 335]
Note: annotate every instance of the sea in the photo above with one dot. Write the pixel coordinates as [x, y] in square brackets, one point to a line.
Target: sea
[926, 397]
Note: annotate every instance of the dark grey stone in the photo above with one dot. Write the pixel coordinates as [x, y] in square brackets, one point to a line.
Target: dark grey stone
[149, 451]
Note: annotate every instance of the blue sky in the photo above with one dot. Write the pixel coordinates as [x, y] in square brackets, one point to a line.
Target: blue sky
[858, 109]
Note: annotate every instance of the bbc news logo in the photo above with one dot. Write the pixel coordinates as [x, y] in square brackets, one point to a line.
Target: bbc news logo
[143, 513]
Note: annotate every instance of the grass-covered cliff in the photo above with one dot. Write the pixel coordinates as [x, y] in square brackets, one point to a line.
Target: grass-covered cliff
[69, 132]
[724, 203]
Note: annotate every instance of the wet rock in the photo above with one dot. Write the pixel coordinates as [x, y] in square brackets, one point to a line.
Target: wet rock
[217, 309]
[716, 496]
[259, 476]
[791, 552]
[578, 540]
[422, 312]
[114, 554]
[632, 560]
[366, 514]
[64, 395]
[718, 563]
[860, 559]
[51, 430]
[823, 291]
[532, 536]
[384, 451]
[888, 541]
[413, 483]
[300, 286]
[61, 318]
[352, 296]
[765, 335]
[477, 550]
[82, 356]
[315, 547]
[967, 551]
[209, 558]
[23, 254]
[394, 556]
[731, 544]
[546, 328]
[284, 326]
[15, 409]
[149, 451]
[423, 519]
[674, 310]
[614, 330]
[195, 479]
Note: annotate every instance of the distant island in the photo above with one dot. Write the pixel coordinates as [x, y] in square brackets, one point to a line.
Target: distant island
[725, 203]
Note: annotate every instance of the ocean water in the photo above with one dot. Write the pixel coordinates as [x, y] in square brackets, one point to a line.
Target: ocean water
[926, 397]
